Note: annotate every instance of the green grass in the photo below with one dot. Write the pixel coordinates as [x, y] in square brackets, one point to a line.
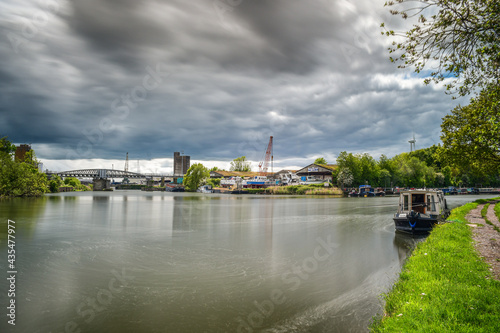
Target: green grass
[444, 286]
[484, 211]
[313, 189]
[497, 210]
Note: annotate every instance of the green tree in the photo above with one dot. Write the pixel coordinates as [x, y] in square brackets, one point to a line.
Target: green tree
[428, 155]
[384, 178]
[453, 38]
[20, 179]
[369, 169]
[470, 134]
[411, 171]
[320, 160]
[385, 163]
[429, 176]
[440, 179]
[240, 164]
[7, 147]
[215, 182]
[344, 177]
[73, 182]
[195, 176]
[350, 162]
[54, 183]
[363, 167]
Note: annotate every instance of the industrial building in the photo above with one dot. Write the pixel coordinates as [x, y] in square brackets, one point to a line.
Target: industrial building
[181, 164]
[21, 151]
[319, 171]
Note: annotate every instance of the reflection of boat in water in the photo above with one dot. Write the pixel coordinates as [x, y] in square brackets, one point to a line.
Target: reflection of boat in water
[419, 210]
[405, 244]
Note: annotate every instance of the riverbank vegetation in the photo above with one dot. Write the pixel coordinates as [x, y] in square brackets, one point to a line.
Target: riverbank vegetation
[312, 189]
[497, 210]
[56, 184]
[444, 286]
[484, 213]
[456, 43]
[196, 175]
[427, 167]
[20, 178]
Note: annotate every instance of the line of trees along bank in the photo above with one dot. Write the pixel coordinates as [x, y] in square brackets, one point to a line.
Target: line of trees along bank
[421, 168]
[20, 178]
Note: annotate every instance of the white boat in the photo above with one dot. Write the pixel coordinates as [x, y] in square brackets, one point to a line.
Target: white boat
[259, 181]
[307, 180]
[233, 181]
[205, 189]
[289, 178]
[419, 210]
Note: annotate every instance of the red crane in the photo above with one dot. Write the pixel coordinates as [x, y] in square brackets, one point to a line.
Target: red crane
[264, 165]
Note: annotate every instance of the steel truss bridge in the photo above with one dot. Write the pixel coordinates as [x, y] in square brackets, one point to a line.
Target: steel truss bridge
[106, 173]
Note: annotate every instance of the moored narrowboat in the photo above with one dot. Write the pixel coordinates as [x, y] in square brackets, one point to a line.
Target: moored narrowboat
[419, 210]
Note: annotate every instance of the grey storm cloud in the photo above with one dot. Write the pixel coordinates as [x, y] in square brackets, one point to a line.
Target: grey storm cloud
[214, 78]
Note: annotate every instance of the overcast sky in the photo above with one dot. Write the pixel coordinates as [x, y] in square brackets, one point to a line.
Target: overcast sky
[85, 82]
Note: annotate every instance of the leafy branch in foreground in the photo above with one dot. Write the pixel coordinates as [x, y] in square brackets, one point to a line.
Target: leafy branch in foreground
[457, 39]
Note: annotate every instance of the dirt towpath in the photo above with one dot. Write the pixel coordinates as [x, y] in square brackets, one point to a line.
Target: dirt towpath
[487, 239]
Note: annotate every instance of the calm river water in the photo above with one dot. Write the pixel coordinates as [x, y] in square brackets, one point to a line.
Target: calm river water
[130, 261]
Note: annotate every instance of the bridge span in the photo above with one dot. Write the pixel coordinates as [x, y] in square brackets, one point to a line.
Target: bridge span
[106, 174]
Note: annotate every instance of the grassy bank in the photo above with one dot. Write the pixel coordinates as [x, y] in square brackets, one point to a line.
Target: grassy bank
[484, 213]
[314, 189]
[444, 286]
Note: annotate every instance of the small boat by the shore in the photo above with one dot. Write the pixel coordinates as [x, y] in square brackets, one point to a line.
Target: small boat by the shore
[308, 180]
[419, 210]
[174, 188]
[365, 191]
[353, 194]
[205, 189]
[258, 182]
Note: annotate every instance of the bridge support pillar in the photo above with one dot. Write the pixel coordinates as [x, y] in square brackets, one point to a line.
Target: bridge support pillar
[101, 184]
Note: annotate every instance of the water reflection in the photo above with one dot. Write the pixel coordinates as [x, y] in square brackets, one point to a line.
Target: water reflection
[24, 212]
[406, 243]
[201, 263]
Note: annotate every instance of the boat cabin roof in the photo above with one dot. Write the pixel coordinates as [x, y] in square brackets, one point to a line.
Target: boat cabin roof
[419, 191]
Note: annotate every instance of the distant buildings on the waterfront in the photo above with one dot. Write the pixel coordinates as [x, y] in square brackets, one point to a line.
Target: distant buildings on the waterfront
[319, 172]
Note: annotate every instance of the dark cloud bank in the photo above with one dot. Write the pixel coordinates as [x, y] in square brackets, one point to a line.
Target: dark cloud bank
[96, 79]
